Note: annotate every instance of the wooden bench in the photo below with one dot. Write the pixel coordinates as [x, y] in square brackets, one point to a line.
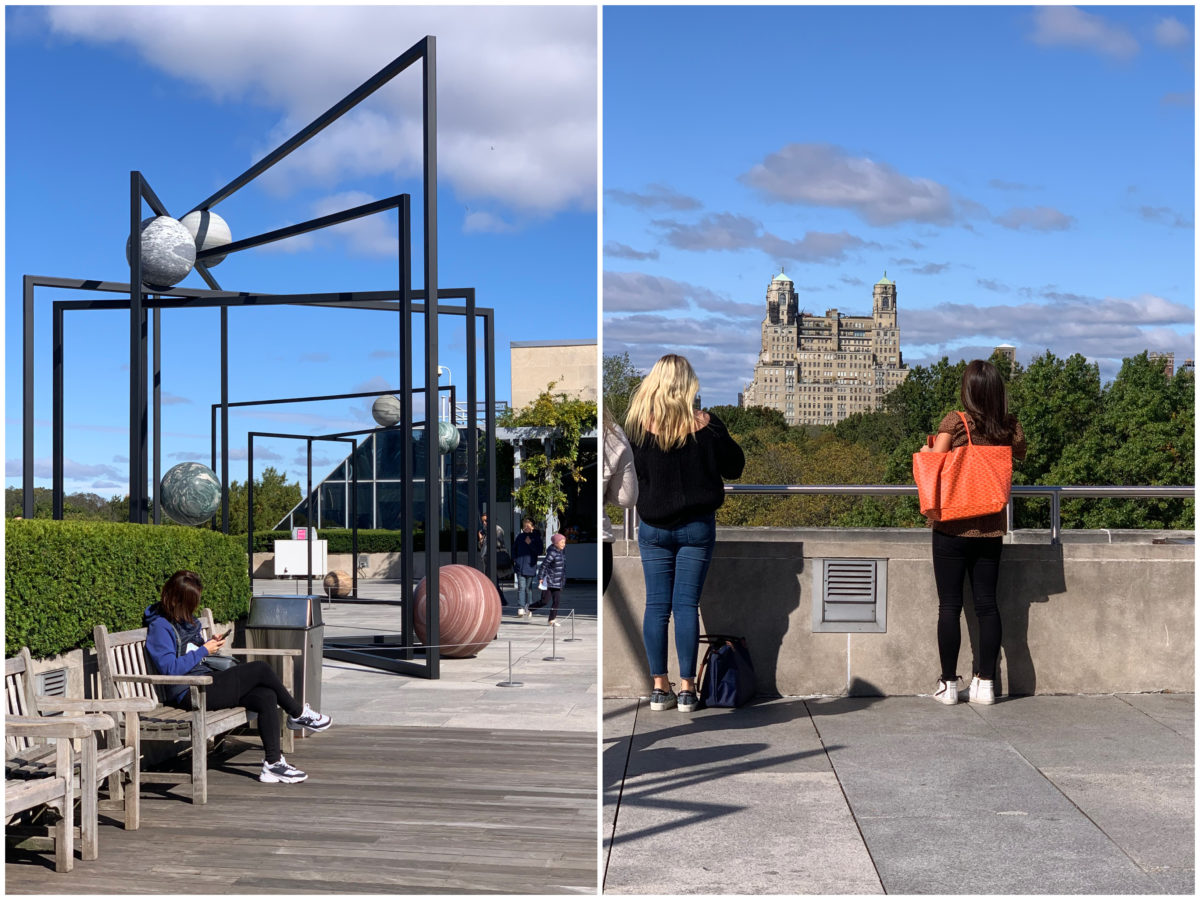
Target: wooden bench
[125, 672]
[107, 758]
[38, 774]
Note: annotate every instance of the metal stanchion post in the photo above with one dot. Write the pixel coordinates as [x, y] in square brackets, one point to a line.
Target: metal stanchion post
[510, 682]
[553, 657]
[571, 616]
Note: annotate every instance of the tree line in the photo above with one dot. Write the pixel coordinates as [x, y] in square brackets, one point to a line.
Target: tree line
[1137, 429]
[274, 497]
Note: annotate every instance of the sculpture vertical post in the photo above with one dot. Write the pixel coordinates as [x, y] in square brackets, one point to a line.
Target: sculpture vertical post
[225, 419]
[137, 477]
[56, 423]
[27, 400]
[472, 433]
[432, 458]
[157, 479]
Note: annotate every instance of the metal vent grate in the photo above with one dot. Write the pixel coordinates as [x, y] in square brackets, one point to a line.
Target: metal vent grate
[850, 596]
[52, 683]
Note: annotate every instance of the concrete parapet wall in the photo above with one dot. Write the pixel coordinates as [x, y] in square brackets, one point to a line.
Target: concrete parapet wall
[1102, 612]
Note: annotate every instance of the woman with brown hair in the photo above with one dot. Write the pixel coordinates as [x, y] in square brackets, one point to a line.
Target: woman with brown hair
[971, 547]
[176, 646]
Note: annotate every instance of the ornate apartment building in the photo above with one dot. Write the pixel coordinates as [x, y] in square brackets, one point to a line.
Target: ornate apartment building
[817, 370]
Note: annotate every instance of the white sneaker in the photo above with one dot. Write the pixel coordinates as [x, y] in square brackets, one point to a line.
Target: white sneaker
[521, 612]
[555, 623]
[947, 692]
[983, 691]
[273, 773]
[309, 718]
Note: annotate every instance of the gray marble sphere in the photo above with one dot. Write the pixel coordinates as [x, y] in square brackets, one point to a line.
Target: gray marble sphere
[190, 493]
[168, 252]
[208, 231]
[447, 438]
[386, 410]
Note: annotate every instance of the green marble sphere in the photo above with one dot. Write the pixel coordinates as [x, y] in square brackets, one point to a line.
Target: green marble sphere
[386, 410]
[190, 493]
[447, 437]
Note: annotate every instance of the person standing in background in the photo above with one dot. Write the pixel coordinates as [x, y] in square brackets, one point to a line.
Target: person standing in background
[527, 547]
[620, 484]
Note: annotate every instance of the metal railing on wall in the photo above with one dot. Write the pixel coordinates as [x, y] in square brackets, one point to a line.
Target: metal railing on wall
[1056, 494]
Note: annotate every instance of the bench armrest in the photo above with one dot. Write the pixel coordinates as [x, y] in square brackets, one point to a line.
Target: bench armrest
[200, 680]
[65, 727]
[263, 651]
[124, 704]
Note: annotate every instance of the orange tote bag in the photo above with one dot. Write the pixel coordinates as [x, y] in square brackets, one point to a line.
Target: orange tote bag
[964, 483]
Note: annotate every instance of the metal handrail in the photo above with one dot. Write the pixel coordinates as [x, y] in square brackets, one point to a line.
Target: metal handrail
[1055, 492]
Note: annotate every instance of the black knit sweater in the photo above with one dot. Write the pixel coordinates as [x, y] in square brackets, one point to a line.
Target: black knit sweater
[686, 483]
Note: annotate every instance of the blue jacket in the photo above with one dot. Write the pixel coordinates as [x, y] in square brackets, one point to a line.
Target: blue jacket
[526, 552]
[554, 568]
[161, 647]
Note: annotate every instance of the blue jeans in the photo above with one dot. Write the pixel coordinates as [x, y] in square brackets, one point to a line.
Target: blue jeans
[525, 587]
[675, 562]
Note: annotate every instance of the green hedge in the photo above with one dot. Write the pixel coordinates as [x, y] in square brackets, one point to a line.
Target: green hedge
[63, 578]
[370, 540]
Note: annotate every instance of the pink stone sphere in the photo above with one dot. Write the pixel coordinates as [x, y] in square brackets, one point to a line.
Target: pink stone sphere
[468, 608]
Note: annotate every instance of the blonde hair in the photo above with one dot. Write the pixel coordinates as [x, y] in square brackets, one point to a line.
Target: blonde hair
[663, 402]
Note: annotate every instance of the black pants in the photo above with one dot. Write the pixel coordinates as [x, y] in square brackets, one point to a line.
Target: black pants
[979, 560]
[255, 686]
[551, 596]
[607, 562]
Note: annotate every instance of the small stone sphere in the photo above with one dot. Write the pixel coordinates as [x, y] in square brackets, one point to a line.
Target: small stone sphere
[208, 231]
[190, 493]
[447, 437]
[168, 252]
[386, 410]
[468, 611]
[338, 583]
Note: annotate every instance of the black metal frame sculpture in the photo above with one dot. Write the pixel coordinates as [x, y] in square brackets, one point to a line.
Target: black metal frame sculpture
[143, 298]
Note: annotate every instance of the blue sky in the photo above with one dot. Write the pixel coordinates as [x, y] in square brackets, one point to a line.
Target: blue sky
[191, 97]
[1024, 175]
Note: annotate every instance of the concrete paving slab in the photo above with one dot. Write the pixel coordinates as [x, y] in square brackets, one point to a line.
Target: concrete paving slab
[614, 758]
[554, 696]
[742, 788]
[919, 775]
[1129, 772]
[1033, 795]
[1176, 711]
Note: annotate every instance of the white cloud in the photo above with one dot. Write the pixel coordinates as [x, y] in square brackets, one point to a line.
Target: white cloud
[485, 222]
[624, 251]
[516, 88]
[656, 196]
[72, 470]
[1068, 26]
[825, 175]
[1035, 218]
[1170, 32]
[730, 231]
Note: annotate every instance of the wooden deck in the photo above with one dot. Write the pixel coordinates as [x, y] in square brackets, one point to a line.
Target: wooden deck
[385, 810]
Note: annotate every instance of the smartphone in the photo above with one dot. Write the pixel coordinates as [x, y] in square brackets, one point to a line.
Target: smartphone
[929, 439]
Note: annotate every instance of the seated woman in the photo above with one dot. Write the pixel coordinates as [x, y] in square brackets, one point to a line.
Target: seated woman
[176, 646]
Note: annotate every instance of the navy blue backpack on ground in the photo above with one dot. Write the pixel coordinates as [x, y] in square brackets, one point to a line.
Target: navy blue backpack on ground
[726, 673]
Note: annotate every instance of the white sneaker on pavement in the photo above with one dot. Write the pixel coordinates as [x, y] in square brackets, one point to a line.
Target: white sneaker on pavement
[947, 692]
[983, 691]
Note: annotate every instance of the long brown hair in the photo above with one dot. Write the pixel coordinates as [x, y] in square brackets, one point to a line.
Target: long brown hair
[985, 401]
[181, 596]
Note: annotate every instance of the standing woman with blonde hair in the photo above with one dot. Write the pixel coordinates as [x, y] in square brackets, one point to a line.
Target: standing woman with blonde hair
[682, 456]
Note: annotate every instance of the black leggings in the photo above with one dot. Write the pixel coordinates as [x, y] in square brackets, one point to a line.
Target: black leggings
[255, 686]
[979, 560]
